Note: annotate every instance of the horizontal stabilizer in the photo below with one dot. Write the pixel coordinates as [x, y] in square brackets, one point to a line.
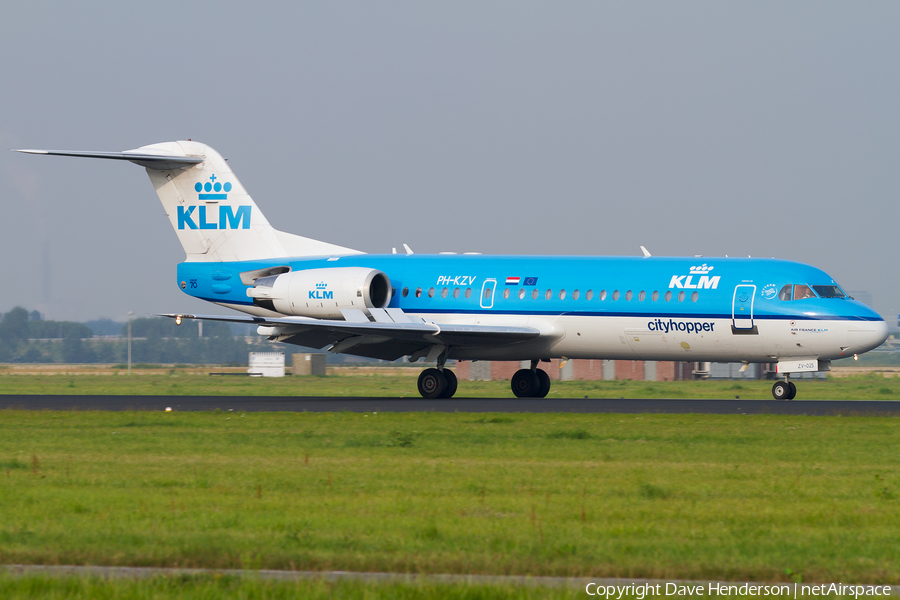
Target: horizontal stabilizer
[161, 160]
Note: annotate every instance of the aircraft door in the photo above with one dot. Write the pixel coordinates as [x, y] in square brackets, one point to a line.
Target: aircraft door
[742, 308]
[487, 293]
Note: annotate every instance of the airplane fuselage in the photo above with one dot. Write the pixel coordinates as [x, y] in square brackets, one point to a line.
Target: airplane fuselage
[648, 308]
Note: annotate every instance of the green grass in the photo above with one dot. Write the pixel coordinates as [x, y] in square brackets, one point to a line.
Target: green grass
[177, 382]
[209, 587]
[663, 496]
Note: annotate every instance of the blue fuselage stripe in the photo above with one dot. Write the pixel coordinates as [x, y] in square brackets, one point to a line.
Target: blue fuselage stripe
[701, 288]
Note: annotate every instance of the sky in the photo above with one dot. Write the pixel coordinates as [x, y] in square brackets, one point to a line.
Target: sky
[591, 128]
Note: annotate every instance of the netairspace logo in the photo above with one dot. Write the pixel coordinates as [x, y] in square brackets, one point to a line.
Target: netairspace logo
[704, 280]
[716, 588]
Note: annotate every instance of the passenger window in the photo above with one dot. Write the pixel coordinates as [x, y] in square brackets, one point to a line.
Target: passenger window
[521, 293]
[575, 295]
[534, 294]
[589, 295]
[405, 292]
[694, 296]
[802, 292]
[668, 296]
[628, 296]
[444, 292]
[468, 292]
[562, 294]
[602, 295]
[418, 292]
[456, 292]
[431, 292]
[681, 296]
[548, 294]
[488, 292]
[506, 293]
[641, 296]
[785, 293]
[655, 296]
[615, 295]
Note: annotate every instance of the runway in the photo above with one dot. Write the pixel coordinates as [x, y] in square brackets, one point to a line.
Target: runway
[474, 405]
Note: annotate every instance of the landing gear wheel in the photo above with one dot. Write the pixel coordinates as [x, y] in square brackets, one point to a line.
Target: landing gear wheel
[782, 390]
[793, 391]
[544, 381]
[525, 383]
[432, 383]
[452, 383]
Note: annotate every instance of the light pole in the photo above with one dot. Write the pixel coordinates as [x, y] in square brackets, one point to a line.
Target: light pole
[130, 314]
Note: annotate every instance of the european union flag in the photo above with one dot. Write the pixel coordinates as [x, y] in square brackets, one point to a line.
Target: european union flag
[530, 281]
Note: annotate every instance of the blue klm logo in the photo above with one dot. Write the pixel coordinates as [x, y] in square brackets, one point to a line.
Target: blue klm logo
[229, 217]
[212, 186]
[320, 293]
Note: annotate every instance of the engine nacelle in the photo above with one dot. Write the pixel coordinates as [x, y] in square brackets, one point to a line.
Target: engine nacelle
[321, 293]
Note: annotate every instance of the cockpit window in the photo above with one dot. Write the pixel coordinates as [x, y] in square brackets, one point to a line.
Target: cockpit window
[801, 292]
[829, 291]
[785, 293]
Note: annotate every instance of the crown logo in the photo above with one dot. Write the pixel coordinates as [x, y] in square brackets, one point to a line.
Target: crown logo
[701, 269]
[213, 186]
[321, 285]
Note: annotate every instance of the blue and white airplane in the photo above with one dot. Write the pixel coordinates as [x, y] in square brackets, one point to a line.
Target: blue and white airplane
[478, 307]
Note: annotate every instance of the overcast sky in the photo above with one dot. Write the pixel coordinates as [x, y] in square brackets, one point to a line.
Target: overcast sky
[756, 128]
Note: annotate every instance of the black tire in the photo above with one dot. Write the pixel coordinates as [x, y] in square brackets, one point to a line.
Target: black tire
[781, 390]
[793, 391]
[544, 383]
[525, 383]
[452, 383]
[432, 383]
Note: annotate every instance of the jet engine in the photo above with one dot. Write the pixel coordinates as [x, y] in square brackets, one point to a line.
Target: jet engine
[321, 293]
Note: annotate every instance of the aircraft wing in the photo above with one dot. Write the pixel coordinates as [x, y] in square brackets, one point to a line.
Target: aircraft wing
[392, 335]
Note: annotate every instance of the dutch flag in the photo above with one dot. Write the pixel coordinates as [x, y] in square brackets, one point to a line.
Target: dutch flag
[512, 281]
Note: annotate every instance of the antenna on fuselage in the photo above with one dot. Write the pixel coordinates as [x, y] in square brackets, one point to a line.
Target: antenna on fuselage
[645, 251]
[408, 249]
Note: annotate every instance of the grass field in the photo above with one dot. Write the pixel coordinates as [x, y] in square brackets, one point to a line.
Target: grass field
[210, 587]
[664, 496]
[188, 382]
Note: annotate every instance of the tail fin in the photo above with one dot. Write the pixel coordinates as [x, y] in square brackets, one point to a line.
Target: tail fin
[214, 217]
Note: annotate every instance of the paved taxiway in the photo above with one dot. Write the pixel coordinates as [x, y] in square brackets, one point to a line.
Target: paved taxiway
[477, 405]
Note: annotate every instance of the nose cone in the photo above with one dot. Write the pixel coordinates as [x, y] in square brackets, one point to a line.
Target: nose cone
[866, 335]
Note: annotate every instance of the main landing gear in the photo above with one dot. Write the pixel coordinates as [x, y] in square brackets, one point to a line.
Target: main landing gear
[437, 383]
[530, 383]
[784, 390]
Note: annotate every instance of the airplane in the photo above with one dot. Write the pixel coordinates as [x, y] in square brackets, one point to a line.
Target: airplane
[491, 307]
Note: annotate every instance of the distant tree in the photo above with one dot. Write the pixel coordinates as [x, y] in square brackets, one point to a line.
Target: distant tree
[74, 350]
[44, 330]
[33, 355]
[34, 315]
[14, 325]
[105, 327]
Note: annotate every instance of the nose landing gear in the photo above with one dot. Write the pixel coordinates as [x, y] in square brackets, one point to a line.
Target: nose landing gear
[784, 390]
